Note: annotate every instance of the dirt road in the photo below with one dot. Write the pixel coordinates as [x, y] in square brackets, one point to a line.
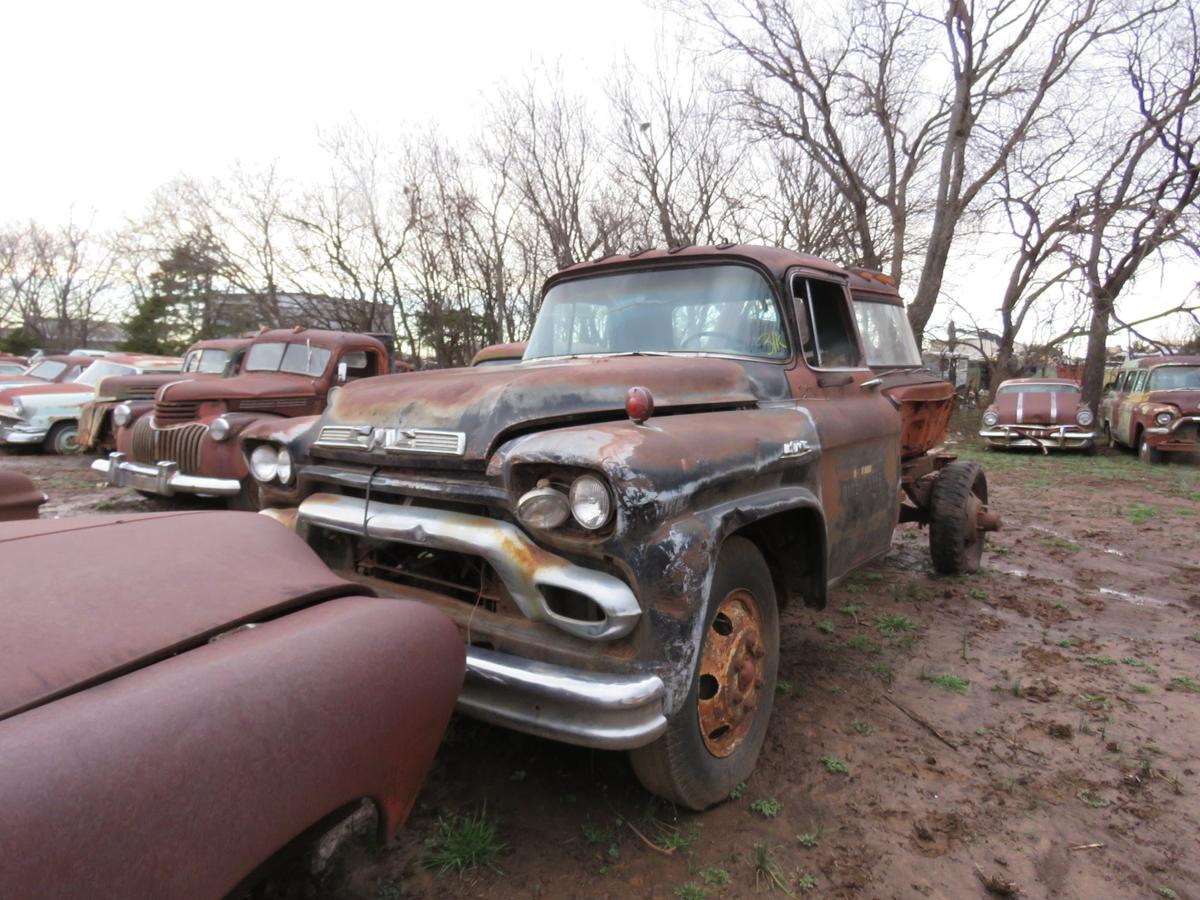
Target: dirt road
[1034, 726]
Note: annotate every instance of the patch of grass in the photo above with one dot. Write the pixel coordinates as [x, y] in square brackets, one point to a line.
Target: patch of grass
[1062, 544]
[833, 765]
[979, 594]
[1140, 514]
[1139, 688]
[594, 835]
[809, 838]
[1183, 683]
[1095, 662]
[1164, 891]
[690, 891]
[738, 791]
[862, 727]
[806, 883]
[768, 807]
[767, 870]
[1091, 799]
[715, 876]
[864, 644]
[850, 609]
[464, 842]
[392, 889]
[909, 590]
[948, 682]
[894, 625]
[883, 670]
[787, 688]
[1060, 605]
[675, 837]
[837, 689]
[1194, 637]
[825, 626]
[1066, 642]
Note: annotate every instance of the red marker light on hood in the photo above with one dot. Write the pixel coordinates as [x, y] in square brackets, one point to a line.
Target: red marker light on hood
[639, 404]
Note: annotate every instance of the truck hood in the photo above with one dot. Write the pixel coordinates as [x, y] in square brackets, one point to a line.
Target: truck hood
[1187, 399]
[487, 403]
[76, 392]
[1038, 409]
[90, 598]
[255, 385]
[142, 387]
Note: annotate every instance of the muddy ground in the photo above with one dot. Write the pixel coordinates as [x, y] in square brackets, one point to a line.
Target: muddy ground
[1033, 727]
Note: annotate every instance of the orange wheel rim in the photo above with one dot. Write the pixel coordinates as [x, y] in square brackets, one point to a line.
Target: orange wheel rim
[732, 673]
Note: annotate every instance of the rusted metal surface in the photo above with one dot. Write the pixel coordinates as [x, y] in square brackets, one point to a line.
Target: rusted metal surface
[732, 672]
[1039, 412]
[19, 497]
[1137, 412]
[73, 365]
[495, 354]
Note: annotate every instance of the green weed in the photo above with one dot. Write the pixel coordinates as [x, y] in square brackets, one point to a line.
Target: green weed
[690, 891]
[833, 765]
[894, 625]
[768, 808]
[1140, 688]
[1091, 799]
[862, 727]
[1140, 514]
[948, 682]
[809, 838]
[715, 876]
[766, 869]
[825, 626]
[738, 791]
[1183, 683]
[806, 883]
[461, 843]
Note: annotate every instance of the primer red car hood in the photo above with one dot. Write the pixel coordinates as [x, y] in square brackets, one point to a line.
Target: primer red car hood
[254, 385]
[1186, 399]
[1057, 408]
[30, 390]
[19, 379]
[483, 403]
[90, 598]
[120, 385]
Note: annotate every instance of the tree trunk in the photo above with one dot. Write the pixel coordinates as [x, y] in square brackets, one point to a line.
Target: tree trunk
[1097, 351]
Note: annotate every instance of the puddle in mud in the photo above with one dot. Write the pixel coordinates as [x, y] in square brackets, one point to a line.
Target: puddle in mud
[1135, 599]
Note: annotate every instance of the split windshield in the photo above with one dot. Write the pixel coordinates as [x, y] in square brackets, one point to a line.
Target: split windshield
[210, 361]
[887, 337]
[294, 359]
[1038, 389]
[49, 369]
[98, 371]
[1175, 378]
[724, 309]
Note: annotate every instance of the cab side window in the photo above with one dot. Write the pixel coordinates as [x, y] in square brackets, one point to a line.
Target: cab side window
[1139, 381]
[827, 336]
[360, 364]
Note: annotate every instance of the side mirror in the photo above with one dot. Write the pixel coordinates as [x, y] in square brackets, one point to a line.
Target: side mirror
[341, 372]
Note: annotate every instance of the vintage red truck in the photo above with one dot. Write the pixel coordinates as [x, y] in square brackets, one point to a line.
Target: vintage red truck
[1039, 412]
[122, 398]
[188, 442]
[194, 693]
[695, 439]
[1153, 405]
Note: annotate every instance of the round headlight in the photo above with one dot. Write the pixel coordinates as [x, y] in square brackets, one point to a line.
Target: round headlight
[990, 418]
[1084, 417]
[122, 414]
[1164, 418]
[590, 502]
[263, 462]
[219, 429]
[543, 507]
[283, 465]
[18, 407]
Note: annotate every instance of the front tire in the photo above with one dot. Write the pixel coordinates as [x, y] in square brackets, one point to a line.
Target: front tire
[1146, 453]
[63, 439]
[713, 741]
[955, 540]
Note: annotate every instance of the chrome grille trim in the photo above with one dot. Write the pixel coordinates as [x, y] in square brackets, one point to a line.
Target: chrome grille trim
[393, 440]
[180, 444]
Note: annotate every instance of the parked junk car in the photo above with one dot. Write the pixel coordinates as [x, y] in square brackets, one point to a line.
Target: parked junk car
[693, 440]
[1154, 406]
[188, 443]
[1039, 412]
[19, 498]
[499, 354]
[217, 358]
[12, 365]
[48, 414]
[47, 370]
[194, 692]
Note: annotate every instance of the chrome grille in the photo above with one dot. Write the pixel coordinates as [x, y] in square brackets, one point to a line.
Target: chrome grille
[140, 392]
[353, 436]
[180, 444]
[393, 440]
[171, 412]
[143, 441]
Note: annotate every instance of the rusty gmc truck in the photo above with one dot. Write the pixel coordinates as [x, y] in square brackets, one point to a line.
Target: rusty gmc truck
[695, 438]
[188, 442]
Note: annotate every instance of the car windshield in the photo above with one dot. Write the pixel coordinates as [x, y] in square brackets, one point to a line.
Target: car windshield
[724, 309]
[1038, 389]
[1175, 378]
[11, 368]
[99, 370]
[48, 369]
[211, 361]
[886, 334]
[295, 359]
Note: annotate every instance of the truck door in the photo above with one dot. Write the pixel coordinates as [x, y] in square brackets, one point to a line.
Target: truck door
[858, 428]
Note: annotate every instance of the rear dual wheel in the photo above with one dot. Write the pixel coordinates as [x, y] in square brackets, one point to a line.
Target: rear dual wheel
[959, 498]
[712, 743]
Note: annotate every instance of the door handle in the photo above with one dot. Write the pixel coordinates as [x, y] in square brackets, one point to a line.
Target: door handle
[871, 383]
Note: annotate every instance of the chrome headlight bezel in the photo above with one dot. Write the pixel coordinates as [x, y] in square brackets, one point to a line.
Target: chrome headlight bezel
[220, 429]
[121, 415]
[1164, 418]
[990, 418]
[544, 507]
[1084, 417]
[591, 502]
[283, 465]
[18, 407]
[264, 462]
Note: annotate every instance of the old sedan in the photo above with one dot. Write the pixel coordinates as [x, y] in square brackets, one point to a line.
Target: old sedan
[170, 720]
[1039, 412]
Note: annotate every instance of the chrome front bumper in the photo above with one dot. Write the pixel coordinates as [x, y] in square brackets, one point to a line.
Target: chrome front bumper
[524, 567]
[605, 711]
[1169, 431]
[163, 478]
[1063, 437]
[21, 434]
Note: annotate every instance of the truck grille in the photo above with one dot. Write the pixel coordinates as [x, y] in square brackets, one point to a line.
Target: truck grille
[180, 444]
[171, 412]
[141, 392]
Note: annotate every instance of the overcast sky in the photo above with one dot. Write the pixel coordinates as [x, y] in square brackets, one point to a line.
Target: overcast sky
[107, 100]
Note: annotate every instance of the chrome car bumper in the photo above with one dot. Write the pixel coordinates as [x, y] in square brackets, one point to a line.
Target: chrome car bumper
[1063, 437]
[605, 711]
[163, 478]
[1170, 434]
[524, 566]
[22, 434]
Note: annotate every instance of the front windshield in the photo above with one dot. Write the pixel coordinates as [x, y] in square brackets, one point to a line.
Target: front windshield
[98, 371]
[210, 361]
[886, 334]
[725, 309]
[295, 359]
[1038, 389]
[1175, 378]
[48, 369]
[11, 368]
